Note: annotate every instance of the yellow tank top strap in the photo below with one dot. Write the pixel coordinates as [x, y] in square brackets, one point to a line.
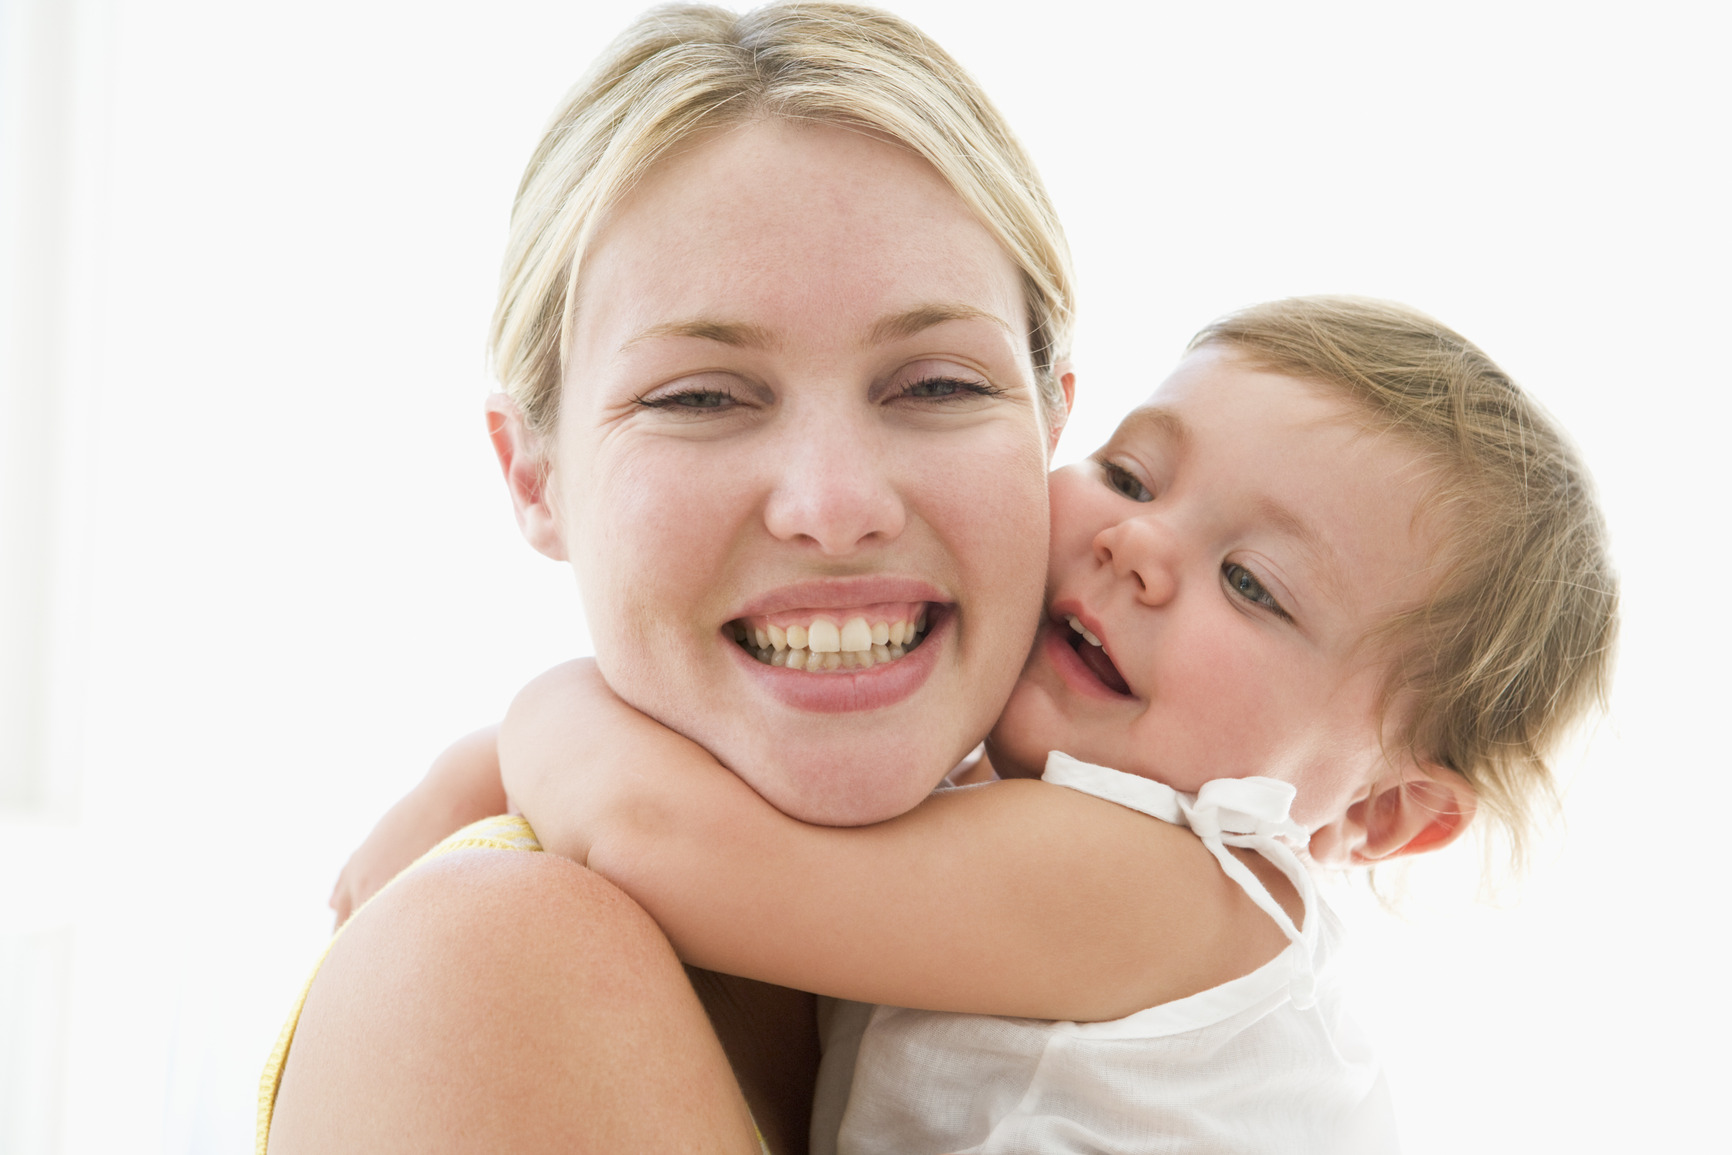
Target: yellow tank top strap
[505, 832]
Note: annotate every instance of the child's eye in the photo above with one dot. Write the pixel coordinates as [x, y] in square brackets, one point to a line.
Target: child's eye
[948, 389]
[1242, 582]
[1123, 482]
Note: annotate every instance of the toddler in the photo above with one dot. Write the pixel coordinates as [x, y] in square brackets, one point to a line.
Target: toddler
[1336, 587]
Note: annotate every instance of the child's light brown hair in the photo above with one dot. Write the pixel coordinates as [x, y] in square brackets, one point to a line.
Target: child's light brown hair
[1515, 643]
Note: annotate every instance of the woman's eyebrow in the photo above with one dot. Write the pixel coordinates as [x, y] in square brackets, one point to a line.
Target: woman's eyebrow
[735, 333]
[748, 336]
[923, 317]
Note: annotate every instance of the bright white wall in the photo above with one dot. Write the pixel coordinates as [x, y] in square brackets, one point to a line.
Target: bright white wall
[287, 572]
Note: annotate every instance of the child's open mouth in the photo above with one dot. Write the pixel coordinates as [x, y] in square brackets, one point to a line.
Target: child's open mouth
[1094, 656]
[828, 641]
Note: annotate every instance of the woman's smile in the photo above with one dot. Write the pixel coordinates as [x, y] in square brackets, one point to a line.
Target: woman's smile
[832, 641]
[843, 645]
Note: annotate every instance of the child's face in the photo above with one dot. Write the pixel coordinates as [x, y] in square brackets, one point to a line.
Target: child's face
[1232, 548]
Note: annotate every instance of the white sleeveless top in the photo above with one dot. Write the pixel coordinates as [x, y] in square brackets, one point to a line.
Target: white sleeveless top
[1267, 1063]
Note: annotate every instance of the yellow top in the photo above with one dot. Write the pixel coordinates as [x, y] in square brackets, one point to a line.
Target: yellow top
[505, 832]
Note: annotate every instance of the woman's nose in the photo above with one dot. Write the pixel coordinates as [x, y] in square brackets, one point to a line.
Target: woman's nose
[1141, 550]
[835, 488]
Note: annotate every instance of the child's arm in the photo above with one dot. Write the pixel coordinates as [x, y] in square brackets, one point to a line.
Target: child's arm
[1015, 898]
[461, 787]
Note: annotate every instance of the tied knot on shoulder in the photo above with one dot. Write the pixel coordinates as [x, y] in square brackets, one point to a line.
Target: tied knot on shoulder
[1257, 813]
[1242, 808]
[1251, 813]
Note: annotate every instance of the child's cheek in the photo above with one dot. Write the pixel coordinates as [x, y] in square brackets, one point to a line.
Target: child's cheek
[1078, 514]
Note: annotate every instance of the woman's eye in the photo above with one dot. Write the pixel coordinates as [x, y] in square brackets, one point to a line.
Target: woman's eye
[690, 399]
[1242, 582]
[1123, 482]
[948, 388]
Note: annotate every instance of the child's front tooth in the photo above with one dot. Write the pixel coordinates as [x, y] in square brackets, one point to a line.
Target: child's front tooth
[797, 637]
[1076, 624]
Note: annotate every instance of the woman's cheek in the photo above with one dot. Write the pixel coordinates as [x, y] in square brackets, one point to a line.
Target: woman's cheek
[1000, 524]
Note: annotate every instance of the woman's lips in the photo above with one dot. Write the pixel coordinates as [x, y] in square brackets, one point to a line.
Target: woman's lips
[840, 594]
[870, 684]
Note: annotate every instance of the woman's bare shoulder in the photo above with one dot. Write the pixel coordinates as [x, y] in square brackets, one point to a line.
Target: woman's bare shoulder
[495, 998]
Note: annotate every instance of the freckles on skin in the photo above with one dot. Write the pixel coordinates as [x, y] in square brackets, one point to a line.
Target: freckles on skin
[677, 518]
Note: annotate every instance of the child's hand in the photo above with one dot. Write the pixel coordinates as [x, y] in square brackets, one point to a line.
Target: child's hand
[461, 787]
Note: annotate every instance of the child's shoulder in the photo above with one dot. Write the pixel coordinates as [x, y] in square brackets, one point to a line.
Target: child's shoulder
[1230, 832]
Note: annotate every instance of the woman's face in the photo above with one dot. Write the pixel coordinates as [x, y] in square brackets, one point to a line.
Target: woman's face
[800, 401]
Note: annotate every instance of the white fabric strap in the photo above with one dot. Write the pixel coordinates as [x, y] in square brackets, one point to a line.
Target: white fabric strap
[1252, 813]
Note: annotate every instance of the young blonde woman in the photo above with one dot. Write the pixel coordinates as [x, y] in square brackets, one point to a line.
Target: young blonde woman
[864, 234]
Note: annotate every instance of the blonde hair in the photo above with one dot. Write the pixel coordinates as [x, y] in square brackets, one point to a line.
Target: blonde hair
[685, 70]
[1515, 642]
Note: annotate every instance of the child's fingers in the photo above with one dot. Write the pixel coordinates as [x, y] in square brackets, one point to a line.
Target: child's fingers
[341, 899]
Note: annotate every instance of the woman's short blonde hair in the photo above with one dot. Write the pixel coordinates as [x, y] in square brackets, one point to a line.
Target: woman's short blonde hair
[683, 70]
[1515, 642]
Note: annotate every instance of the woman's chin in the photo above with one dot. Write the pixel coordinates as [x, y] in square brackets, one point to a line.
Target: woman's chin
[843, 788]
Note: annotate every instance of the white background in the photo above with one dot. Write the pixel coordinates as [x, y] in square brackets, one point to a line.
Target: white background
[280, 571]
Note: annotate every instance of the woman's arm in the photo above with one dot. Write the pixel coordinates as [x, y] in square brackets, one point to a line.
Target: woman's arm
[461, 787]
[1017, 898]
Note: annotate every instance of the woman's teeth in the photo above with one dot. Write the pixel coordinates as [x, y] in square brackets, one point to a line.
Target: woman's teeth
[1076, 624]
[821, 646]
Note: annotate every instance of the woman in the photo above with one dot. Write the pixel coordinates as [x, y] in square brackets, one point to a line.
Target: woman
[782, 326]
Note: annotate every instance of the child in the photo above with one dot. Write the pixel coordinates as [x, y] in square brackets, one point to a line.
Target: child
[1339, 585]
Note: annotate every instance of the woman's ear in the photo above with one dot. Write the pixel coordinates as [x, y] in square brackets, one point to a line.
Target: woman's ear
[522, 458]
[1414, 808]
[1066, 375]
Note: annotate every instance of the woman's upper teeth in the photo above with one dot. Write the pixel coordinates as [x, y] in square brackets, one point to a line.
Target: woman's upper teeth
[821, 642]
[1076, 624]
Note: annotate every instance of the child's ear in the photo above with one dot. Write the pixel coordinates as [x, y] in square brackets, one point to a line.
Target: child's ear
[1420, 807]
[522, 458]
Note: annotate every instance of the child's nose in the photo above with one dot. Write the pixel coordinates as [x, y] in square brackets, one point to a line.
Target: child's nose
[1141, 550]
